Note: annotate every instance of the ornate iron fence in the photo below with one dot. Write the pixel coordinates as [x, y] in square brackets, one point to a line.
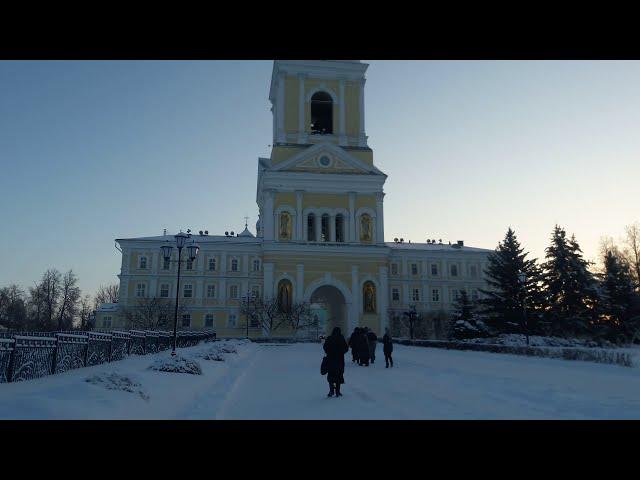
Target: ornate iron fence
[28, 355]
[71, 352]
[33, 357]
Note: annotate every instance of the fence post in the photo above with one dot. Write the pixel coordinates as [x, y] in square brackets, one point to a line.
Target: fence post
[11, 362]
[110, 348]
[55, 356]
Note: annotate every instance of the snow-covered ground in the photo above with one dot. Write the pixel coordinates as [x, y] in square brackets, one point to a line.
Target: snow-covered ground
[266, 381]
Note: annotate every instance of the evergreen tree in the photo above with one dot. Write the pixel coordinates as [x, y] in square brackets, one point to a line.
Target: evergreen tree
[504, 301]
[465, 323]
[569, 287]
[618, 298]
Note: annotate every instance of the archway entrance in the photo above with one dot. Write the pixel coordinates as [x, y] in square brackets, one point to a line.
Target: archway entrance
[331, 300]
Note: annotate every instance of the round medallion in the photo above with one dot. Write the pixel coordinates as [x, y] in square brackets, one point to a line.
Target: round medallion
[325, 161]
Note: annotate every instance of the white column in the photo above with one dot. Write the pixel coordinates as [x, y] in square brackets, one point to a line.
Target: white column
[343, 137]
[299, 219]
[299, 283]
[379, 218]
[280, 108]
[269, 233]
[268, 280]
[383, 299]
[302, 136]
[356, 299]
[352, 217]
[363, 138]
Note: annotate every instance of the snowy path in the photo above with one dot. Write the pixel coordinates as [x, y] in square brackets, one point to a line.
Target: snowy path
[284, 383]
[267, 381]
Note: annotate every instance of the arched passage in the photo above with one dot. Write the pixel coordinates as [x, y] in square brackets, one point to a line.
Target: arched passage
[333, 302]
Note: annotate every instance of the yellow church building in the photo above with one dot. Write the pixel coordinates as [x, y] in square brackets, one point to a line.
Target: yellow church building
[320, 231]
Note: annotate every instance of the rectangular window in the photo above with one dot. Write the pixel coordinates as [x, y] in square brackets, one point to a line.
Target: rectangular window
[454, 270]
[256, 265]
[473, 271]
[211, 291]
[212, 264]
[416, 295]
[166, 264]
[233, 291]
[231, 321]
[395, 294]
[106, 322]
[188, 291]
[435, 295]
[208, 320]
[394, 269]
[164, 290]
[141, 290]
[234, 265]
[189, 264]
[434, 269]
[414, 269]
[143, 263]
[186, 320]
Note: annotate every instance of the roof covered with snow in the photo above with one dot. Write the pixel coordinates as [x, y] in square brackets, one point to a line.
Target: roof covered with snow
[434, 247]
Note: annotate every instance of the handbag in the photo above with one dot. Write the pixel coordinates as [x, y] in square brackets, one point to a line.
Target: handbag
[324, 366]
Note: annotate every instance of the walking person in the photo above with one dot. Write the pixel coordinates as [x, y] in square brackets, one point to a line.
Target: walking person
[353, 344]
[335, 346]
[363, 348]
[387, 347]
[373, 343]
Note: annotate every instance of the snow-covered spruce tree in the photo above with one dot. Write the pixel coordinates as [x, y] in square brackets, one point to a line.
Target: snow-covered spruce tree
[618, 299]
[569, 287]
[503, 303]
[465, 323]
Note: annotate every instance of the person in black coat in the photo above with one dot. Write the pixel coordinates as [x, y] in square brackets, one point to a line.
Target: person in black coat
[363, 348]
[353, 344]
[373, 343]
[387, 347]
[335, 346]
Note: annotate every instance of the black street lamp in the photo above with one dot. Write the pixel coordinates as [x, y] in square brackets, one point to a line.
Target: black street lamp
[523, 279]
[192, 248]
[411, 315]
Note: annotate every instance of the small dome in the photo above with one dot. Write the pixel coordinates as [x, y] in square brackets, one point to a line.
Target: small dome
[246, 233]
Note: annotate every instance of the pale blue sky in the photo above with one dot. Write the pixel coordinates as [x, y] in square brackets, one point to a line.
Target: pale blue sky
[93, 151]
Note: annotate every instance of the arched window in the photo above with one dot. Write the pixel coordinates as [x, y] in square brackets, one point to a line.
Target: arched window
[321, 114]
[285, 290]
[369, 297]
[339, 228]
[311, 227]
[324, 237]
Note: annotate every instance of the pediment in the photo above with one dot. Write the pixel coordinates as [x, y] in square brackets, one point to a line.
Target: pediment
[326, 158]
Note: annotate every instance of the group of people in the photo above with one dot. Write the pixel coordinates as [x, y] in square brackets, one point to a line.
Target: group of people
[363, 342]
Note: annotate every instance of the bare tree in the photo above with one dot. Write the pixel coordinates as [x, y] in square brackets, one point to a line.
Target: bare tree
[13, 311]
[86, 312]
[69, 297]
[151, 313]
[46, 294]
[266, 314]
[299, 317]
[107, 294]
[632, 250]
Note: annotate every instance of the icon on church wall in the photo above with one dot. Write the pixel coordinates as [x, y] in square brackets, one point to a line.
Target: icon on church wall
[285, 226]
[365, 228]
[369, 297]
[285, 290]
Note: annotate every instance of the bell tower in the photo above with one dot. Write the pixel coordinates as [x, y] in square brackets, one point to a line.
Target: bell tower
[316, 101]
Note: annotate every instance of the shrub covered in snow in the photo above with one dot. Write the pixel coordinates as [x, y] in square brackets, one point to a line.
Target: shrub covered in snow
[176, 364]
[114, 381]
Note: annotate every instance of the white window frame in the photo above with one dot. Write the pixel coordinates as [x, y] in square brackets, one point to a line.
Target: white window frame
[415, 294]
[212, 317]
[231, 291]
[182, 318]
[437, 270]
[141, 287]
[235, 263]
[256, 265]
[235, 320]
[146, 262]
[394, 269]
[412, 269]
[209, 287]
[453, 267]
[107, 322]
[435, 295]
[184, 290]
[163, 289]
[394, 291]
[213, 261]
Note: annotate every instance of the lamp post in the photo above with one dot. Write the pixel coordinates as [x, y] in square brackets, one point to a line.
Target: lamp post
[181, 240]
[523, 279]
[411, 315]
